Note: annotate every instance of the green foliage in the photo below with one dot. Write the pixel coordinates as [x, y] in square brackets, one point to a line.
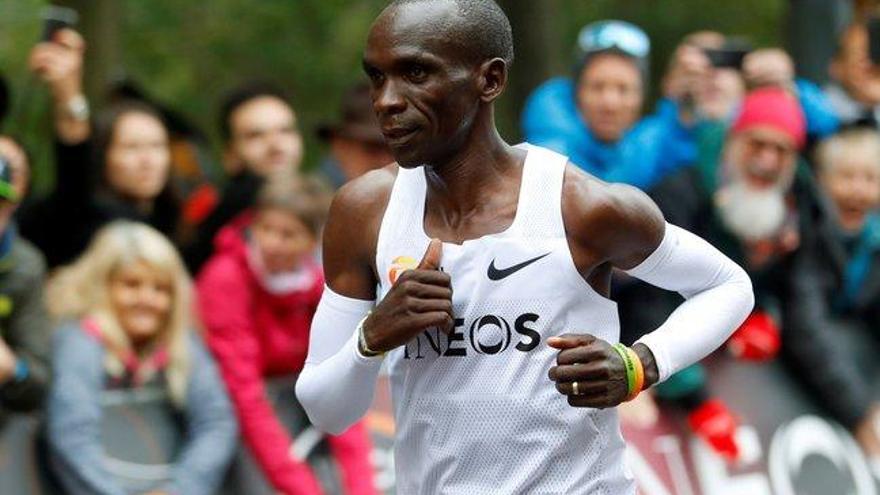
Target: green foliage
[667, 21]
[20, 26]
[192, 54]
[187, 53]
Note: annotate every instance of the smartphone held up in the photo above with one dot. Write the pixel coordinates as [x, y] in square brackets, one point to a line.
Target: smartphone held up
[56, 18]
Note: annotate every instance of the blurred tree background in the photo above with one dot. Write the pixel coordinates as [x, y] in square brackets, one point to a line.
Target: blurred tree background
[187, 54]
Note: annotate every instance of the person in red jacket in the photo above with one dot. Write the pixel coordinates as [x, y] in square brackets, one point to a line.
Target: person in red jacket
[257, 296]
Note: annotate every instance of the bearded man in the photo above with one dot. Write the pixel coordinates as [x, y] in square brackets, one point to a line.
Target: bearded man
[755, 205]
[750, 204]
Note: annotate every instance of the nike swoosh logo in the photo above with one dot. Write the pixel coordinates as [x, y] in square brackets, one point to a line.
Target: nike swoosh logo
[498, 274]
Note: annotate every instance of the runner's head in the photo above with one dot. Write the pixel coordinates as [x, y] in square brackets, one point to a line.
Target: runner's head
[436, 67]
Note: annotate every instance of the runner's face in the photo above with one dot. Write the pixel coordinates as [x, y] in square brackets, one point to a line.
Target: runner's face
[424, 93]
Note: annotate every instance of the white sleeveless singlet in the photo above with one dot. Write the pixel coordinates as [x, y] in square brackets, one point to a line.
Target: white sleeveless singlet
[476, 412]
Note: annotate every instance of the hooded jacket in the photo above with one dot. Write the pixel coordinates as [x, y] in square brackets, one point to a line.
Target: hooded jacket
[256, 335]
[654, 147]
[79, 399]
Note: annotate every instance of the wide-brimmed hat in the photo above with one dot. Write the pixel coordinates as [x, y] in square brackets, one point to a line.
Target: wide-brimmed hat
[357, 120]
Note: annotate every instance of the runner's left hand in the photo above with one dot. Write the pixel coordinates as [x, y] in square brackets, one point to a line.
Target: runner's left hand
[597, 368]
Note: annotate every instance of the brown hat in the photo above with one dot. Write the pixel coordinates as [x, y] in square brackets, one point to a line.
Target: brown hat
[358, 120]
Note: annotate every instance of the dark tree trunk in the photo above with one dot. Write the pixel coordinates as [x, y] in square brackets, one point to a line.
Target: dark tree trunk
[99, 24]
[538, 55]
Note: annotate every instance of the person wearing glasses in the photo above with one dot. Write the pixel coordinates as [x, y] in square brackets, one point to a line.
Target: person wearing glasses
[757, 206]
[595, 117]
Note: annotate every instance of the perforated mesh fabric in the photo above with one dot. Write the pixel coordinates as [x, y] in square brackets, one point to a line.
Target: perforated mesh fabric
[475, 410]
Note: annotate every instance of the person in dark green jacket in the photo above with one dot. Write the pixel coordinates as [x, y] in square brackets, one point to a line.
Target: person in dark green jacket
[24, 321]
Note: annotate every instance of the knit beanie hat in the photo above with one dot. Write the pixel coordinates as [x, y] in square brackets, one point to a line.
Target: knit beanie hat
[772, 107]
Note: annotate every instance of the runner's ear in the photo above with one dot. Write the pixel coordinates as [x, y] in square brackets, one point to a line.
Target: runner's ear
[493, 79]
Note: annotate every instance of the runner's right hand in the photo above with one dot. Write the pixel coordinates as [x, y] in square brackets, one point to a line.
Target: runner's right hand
[420, 299]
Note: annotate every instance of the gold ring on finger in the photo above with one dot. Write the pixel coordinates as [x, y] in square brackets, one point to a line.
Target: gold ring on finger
[574, 388]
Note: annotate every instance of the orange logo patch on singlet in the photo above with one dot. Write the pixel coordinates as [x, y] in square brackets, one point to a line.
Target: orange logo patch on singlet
[400, 265]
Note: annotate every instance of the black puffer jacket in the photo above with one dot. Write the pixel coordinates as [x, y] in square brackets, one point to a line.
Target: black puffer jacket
[62, 224]
[827, 337]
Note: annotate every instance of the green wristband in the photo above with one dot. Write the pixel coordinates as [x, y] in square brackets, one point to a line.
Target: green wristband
[630, 368]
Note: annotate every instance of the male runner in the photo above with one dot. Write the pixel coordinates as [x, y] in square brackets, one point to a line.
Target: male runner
[516, 290]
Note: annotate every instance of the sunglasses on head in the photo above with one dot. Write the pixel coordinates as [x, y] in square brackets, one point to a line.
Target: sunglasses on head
[614, 35]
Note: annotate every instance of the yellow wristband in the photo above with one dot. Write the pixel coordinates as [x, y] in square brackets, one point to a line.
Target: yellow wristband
[639, 374]
[629, 367]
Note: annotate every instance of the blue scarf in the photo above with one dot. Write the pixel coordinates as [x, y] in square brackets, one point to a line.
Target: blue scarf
[7, 239]
[859, 265]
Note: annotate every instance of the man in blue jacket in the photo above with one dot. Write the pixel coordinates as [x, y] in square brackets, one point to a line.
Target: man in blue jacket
[596, 119]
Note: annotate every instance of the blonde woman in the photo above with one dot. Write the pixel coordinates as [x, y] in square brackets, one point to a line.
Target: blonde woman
[124, 312]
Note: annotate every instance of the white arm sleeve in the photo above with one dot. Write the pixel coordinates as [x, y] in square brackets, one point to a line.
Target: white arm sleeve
[337, 383]
[718, 296]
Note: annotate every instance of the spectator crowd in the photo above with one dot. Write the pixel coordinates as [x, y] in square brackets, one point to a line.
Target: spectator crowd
[140, 280]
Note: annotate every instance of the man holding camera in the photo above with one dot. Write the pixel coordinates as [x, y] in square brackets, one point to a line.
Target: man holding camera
[595, 118]
[854, 92]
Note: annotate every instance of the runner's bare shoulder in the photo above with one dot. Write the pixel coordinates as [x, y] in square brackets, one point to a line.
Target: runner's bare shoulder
[352, 230]
[617, 221]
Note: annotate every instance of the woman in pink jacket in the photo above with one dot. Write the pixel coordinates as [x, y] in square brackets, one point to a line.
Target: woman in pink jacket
[257, 296]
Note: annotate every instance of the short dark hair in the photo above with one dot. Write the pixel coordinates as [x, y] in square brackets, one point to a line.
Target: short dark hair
[485, 30]
[243, 94]
[166, 204]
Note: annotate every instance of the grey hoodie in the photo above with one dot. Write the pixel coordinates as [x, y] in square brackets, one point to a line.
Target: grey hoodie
[78, 400]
